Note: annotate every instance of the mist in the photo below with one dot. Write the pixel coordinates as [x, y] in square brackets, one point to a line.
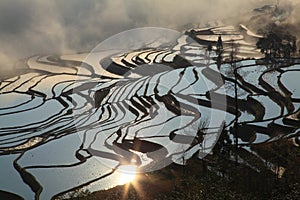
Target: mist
[55, 27]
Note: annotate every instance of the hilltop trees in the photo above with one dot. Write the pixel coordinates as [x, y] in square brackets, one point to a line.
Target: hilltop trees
[277, 45]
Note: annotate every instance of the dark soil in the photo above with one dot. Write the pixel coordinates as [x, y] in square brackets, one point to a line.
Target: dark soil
[217, 177]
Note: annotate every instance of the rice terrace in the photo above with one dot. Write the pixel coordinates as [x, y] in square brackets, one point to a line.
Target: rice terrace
[205, 111]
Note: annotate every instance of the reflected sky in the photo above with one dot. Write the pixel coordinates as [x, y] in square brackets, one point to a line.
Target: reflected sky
[38, 108]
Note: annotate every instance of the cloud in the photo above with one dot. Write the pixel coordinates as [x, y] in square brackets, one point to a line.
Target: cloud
[51, 27]
[14, 17]
[28, 28]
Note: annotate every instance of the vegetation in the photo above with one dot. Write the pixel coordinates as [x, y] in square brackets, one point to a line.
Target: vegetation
[276, 43]
[218, 176]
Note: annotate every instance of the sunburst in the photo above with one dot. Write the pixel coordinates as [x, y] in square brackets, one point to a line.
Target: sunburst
[126, 174]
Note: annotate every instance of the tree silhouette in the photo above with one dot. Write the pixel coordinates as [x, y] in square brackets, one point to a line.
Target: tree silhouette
[277, 45]
[209, 49]
[219, 45]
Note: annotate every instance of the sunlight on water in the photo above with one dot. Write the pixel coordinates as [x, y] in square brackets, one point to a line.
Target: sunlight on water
[151, 105]
[126, 174]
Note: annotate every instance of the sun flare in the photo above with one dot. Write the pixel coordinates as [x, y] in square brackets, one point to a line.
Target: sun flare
[126, 173]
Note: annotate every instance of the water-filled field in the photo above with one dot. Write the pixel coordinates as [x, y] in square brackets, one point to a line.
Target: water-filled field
[70, 122]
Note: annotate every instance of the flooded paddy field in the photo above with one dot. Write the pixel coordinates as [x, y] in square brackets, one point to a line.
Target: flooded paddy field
[71, 122]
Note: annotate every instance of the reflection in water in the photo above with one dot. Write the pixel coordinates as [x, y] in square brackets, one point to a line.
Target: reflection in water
[126, 174]
[66, 126]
